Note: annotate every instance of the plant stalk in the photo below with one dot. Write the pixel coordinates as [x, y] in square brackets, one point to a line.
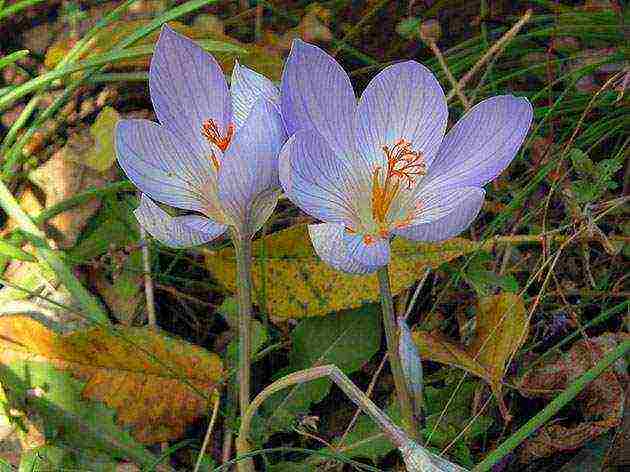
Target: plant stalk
[243, 246]
[410, 423]
[416, 457]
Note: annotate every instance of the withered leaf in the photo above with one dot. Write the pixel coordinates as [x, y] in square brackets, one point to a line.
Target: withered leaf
[157, 384]
[600, 403]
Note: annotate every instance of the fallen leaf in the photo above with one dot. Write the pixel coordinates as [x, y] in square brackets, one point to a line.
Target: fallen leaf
[298, 284]
[99, 154]
[600, 403]
[501, 328]
[62, 177]
[437, 348]
[157, 384]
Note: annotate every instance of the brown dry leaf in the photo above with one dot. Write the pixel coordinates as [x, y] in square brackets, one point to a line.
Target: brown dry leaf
[437, 348]
[62, 177]
[156, 383]
[299, 284]
[501, 329]
[600, 403]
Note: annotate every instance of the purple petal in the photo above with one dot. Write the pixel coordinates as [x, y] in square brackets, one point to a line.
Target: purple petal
[328, 243]
[322, 184]
[429, 204]
[187, 88]
[450, 225]
[178, 231]
[162, 166]
[404, 101]
[247, 86]
[249, 168]
[483, 142]
[317, 94]
[373, 254]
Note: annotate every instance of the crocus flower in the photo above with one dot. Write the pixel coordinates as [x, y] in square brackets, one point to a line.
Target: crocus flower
[214, 151]
[383, 166]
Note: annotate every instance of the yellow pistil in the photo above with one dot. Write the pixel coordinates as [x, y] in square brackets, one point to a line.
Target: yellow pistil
[403, 167]
[210, 131]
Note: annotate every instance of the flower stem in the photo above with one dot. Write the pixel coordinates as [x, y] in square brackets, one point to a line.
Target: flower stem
[391, 333]
[243, 246]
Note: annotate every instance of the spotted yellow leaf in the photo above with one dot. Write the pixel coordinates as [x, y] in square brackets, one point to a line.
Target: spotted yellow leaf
[293, 281]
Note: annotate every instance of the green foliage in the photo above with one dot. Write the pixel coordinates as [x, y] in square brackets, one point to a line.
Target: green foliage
[458, 414]
[71, 423]
[485, 281]
[595, 178]
[114, 227]
[347, 339]
[366, 440]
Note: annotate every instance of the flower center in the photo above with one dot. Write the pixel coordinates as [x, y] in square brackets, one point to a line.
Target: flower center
[404, 166]
[210, 131]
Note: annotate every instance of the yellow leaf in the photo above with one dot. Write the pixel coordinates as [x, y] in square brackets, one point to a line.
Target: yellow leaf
[102, 156]
[157, 384]
[298, 284]
[501, 329]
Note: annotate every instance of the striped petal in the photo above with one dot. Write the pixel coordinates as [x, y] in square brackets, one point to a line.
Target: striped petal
[247, 86]
[317, 94]
[162, 166]
[450, 225]
[328, 243]
[404, 101]
[374, 254]
[429, 205]
[178, 231]
[315, 179]
[187, 88]
[249, 171]
[482, 143]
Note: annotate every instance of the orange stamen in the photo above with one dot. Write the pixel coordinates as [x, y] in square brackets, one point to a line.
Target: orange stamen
[403, 166]
[210, 131]
[368, 239]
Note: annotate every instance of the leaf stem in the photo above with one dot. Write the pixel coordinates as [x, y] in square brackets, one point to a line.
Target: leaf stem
[391, 333]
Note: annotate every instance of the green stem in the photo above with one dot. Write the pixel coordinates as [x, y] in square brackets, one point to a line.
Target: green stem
[560, 401]
[391, 333]
[243, 245]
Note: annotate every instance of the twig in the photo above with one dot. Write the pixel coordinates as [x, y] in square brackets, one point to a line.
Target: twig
[206, 439]
[358, 412]
[449, 75]
[416, 292]
[148, 280]
[494, 49]
[416, 457]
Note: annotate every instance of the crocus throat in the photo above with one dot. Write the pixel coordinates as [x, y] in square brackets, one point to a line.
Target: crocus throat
[210, 131]
[404, 166]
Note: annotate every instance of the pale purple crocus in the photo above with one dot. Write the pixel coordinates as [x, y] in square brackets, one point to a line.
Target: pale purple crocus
[214, 151]
[382, 166]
